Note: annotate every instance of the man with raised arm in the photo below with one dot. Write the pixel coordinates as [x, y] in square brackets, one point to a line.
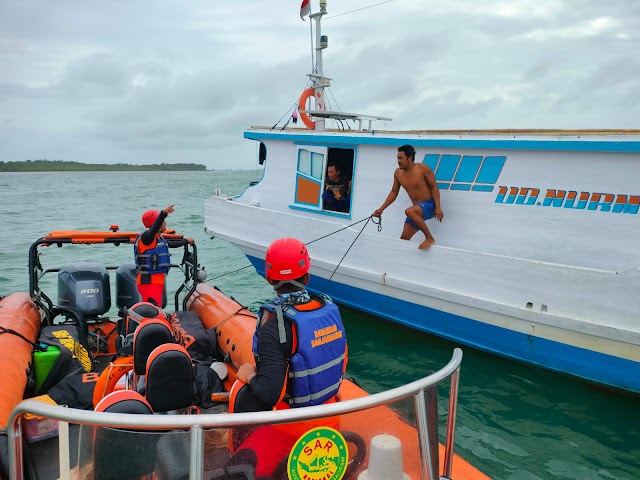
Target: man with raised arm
[420, 184]
[151, 253]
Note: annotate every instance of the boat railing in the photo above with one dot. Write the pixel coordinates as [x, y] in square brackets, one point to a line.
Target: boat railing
[188, 265]
[423, 391]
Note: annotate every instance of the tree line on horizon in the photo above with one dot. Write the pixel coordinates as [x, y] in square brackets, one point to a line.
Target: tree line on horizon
[62, 165]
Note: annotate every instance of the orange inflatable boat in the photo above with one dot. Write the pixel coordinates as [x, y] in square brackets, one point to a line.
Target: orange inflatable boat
[235, 326]
[19, 325]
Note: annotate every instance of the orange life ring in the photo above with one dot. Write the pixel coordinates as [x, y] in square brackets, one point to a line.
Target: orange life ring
[109, 377]
[302, 104]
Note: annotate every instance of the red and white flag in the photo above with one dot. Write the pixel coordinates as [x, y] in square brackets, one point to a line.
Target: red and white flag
[305, 9]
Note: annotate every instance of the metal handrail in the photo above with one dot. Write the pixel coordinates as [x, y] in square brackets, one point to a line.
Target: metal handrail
[222, 420]
[190, 262]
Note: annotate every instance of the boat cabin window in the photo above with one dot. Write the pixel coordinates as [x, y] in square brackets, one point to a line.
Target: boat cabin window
[465, 172]
[324, 180]
[336, 196]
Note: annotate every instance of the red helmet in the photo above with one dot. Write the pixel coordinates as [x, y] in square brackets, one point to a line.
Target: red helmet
[287, 259]
[149, 217]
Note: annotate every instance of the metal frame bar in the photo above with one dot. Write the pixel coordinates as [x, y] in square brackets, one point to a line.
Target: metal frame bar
[451, 424]
[196, 423]
[189, 261]
[196, 453]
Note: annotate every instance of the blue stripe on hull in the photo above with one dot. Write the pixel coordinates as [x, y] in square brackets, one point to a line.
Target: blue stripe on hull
[598, 367]
[620, 145]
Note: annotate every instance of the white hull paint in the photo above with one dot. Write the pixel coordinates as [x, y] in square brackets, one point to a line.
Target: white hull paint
[520, 275]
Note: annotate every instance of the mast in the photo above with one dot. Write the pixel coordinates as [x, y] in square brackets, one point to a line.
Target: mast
[318, 81]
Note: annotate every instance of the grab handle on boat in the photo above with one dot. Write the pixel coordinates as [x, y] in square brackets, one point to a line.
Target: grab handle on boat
[220, 397]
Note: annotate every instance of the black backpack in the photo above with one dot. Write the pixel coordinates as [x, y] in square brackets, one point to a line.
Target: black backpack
[74, 357]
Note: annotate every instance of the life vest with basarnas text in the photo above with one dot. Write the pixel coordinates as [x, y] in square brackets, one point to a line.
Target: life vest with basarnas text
[319, 355]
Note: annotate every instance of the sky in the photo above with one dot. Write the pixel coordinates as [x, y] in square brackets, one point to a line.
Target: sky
[180, 81]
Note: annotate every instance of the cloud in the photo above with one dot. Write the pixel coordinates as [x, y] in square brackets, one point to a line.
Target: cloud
[145, 82]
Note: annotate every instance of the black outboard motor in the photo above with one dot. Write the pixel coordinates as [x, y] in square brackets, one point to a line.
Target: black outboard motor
[84, 286]
[127, 293]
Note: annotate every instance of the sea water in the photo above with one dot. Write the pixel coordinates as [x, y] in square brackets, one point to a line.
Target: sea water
[515, 421]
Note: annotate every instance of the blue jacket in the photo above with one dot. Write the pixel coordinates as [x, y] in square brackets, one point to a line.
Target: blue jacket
[152, 260]
[317, 364]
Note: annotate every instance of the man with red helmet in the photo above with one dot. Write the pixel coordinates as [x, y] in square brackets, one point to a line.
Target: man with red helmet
[151, 253]
[300, 348]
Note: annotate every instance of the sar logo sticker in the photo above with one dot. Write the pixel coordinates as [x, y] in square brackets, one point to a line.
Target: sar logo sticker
[319, 454]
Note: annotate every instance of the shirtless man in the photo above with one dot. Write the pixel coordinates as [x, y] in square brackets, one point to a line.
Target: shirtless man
[420, 184]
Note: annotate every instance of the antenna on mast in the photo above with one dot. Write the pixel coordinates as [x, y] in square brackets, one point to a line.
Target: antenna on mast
[319, 82]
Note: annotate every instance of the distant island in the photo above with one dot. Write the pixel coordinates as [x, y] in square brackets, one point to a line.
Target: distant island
[63, 166]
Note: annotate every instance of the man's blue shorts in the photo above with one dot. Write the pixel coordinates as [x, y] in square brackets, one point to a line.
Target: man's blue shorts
[428, 211]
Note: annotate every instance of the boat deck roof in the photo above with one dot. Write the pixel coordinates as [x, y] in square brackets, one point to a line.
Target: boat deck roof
[471, 132]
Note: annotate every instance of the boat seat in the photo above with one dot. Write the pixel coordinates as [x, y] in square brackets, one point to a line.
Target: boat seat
[169, 378]
[149, 335]
[124, 401]
[140, 313]
[120, 454]
[132, 318]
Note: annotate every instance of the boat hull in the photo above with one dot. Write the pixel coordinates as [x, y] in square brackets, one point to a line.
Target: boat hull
[594, 366]
[544, 273]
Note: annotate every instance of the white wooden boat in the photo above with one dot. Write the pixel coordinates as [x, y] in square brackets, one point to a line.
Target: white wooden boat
[536, 258]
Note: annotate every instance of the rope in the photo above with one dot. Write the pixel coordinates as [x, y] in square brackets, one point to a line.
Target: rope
[111, 367]
[18, 334]
[237, 312]
[295, 104]
[285, 114]
[340, 109]
[372, 218]
[228, 273]
[358, 9]
[379, 223]
[334, 99]
[344, 228]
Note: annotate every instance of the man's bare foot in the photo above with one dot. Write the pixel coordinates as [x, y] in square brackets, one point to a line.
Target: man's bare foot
[427, 243]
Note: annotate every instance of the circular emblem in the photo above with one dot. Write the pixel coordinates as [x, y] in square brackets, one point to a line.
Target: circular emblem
[319, 454]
